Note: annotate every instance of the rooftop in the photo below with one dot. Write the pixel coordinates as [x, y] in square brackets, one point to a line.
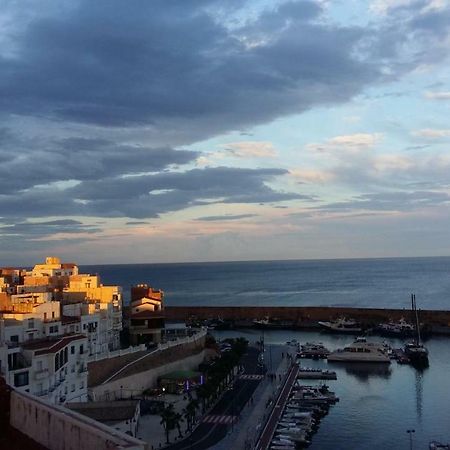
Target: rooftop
[117, 411]
[49, 345]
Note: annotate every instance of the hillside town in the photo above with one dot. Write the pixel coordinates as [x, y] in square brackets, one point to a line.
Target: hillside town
[66, 341]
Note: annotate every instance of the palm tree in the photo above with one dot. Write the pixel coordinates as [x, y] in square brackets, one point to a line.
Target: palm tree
[178, 418]
[168, 420]
[190, 412]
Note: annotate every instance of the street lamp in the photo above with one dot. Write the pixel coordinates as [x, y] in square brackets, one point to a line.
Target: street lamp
[410, 432]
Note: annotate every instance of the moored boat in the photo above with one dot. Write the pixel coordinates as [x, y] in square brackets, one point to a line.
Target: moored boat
[342, 325]
[361, 352]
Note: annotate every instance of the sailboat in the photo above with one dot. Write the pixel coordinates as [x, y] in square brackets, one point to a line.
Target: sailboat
[415, 351]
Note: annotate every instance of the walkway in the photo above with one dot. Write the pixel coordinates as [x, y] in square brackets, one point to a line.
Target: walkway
[269, 429]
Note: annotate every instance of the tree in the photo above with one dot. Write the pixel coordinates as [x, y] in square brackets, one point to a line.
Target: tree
[168, 420]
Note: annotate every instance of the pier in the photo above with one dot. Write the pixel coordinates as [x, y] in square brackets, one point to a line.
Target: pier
[272, 422]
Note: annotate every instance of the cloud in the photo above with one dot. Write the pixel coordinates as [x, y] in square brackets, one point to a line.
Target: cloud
[439, 95]
[311, 175]
[432, 133]
[77, 159]
[137, 223]
[226, 217]
[390, 201]
[251, 149]
[149, 195]
[352, 143]
[45, 228]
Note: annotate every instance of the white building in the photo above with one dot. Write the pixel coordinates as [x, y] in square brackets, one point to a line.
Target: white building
[54, 368]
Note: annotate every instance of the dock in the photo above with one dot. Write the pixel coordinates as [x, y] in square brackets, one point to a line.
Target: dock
[272, 422]
[316, 374]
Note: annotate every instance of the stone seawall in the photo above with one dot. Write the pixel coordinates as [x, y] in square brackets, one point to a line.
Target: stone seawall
[302, 316]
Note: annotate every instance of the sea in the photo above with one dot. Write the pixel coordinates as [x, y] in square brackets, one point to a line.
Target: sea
[378, 405]
[363, 283]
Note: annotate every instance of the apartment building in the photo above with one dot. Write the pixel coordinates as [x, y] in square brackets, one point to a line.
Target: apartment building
[51, 319]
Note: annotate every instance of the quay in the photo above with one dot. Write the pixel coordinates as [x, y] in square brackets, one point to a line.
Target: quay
[305, 317]
[272, 422]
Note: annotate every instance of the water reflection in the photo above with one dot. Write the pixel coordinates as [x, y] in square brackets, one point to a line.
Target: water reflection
[364, 371]
[419, 393]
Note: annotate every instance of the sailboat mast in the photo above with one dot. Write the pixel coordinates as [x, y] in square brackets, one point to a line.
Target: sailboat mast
[417, 320]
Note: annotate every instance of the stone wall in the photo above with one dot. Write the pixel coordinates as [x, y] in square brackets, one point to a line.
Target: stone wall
[302, 315]
[58, 428]
[144, 378]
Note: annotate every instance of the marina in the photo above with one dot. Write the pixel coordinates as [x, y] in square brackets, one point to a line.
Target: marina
[372, 395]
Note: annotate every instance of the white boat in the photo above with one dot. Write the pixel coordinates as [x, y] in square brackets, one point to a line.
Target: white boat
[342, 325]
[361, 352]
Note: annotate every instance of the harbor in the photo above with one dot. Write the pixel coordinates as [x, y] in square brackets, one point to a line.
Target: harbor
[378, 402]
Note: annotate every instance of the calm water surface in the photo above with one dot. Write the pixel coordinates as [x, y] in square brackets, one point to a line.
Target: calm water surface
[377, 405]
[359, 283]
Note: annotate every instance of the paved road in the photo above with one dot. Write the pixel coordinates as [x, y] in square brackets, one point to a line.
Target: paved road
[218, 421]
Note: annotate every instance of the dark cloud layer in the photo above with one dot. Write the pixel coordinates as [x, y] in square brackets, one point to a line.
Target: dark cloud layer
[125, 85]
[132, 63]
[226, 217]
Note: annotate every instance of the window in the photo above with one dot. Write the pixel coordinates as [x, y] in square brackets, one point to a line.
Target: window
[82, 385]
[30, 323]
[72, 350]
[72, 389]
[14, 338]
[39, 366]
[21, 379]
[66, 353]
[53, 314]
[45, 316]
[56, 362]
[81, 349]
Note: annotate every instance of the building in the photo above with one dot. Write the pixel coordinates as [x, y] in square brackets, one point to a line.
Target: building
[147, 319]
[51, 319]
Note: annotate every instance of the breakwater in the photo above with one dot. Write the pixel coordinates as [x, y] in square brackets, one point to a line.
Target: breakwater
[304, 316]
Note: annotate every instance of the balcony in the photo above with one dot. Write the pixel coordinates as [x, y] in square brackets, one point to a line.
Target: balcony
[83, 369]
[41, 374]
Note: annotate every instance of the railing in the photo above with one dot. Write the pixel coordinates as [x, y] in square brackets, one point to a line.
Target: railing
[198, 334]
[161, 347]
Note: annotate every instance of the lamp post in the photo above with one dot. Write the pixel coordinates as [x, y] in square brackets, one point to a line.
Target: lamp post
[410, 432]
[164, 396]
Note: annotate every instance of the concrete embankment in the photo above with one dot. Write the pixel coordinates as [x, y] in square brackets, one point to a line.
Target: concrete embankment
[304, 316]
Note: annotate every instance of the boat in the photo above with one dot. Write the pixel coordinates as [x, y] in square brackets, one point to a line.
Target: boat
[361, 352]
[435, 445]
[313, 350]
[342, 325]
[270, 323]
[399, 329]
[415, 351]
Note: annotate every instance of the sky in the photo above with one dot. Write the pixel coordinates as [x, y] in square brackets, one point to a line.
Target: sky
[176, 131]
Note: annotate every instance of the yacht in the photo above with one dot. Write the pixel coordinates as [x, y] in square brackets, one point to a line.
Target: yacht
[342, 325]
[361, 352]
[402, 328]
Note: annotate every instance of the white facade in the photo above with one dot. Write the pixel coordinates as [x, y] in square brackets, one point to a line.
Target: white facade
[55, 368]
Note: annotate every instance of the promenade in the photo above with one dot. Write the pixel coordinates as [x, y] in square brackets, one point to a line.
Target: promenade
[269, 429]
